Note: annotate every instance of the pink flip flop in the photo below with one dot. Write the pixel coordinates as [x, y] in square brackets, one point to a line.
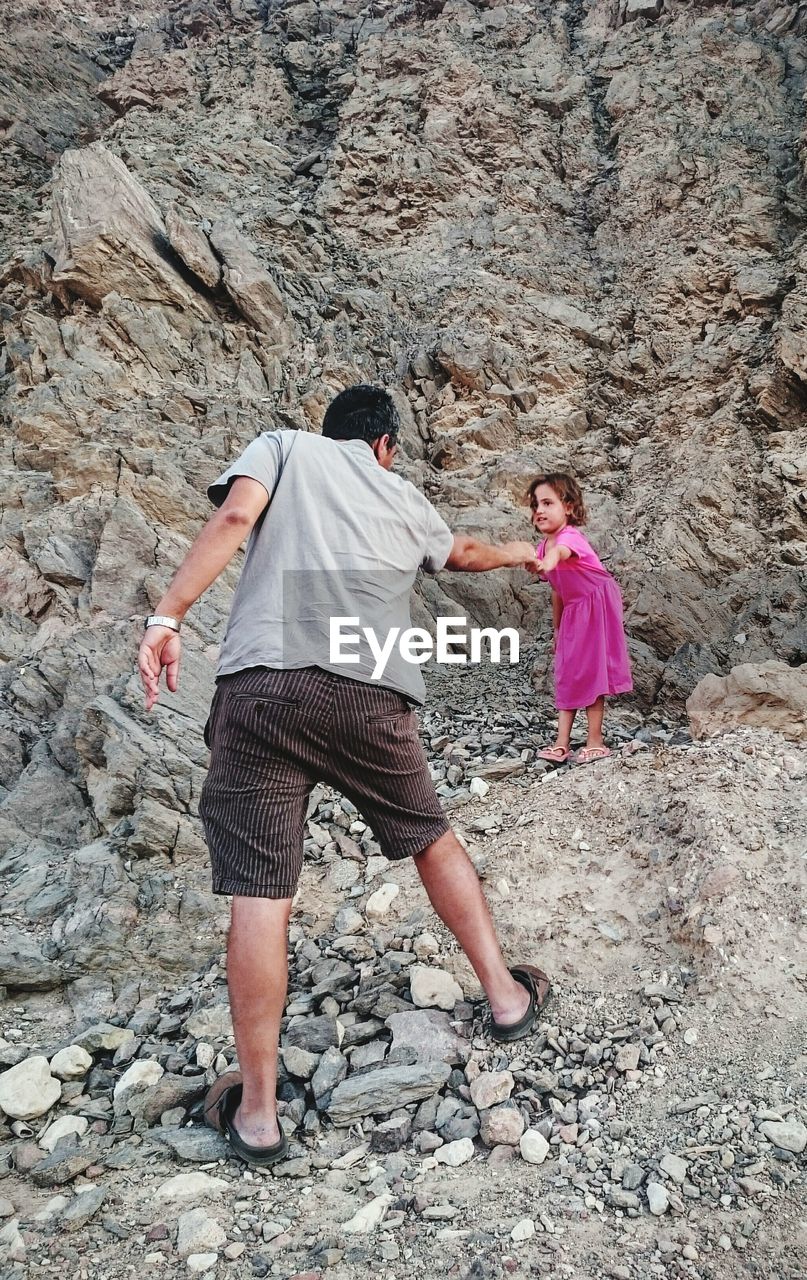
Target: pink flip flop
[587, 755]
[556, 755]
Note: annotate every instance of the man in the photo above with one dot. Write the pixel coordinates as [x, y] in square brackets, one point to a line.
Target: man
[332, 533]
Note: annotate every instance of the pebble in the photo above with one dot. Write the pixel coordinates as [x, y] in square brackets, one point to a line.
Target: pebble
[674, 1167]
[369, 1216]
[198, 1233]
[533, 1146]
[523, 1230]
[198, 1263]
[657, 1199]
[190, 1186]
[456, 1153]
[379, 903]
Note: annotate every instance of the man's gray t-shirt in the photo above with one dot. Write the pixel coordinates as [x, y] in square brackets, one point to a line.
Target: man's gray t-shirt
[341, 538]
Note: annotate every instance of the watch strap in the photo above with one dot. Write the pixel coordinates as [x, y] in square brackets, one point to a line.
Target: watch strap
[162, 620]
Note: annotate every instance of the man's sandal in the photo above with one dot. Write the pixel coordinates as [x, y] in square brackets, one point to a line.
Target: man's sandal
[587, 755]
[537, 983]
[221, 1103]
[556, 755]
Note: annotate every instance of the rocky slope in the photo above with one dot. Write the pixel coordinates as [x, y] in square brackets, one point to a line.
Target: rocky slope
[564, 235]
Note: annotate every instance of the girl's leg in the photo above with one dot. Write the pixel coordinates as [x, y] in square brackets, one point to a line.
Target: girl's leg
[565, 722]
[595, 714]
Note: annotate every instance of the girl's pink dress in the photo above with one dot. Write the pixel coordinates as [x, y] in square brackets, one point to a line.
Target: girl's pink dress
[591, 656]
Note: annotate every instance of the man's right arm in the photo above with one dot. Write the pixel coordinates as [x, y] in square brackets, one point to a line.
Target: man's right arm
[210, 553]
[468, 555]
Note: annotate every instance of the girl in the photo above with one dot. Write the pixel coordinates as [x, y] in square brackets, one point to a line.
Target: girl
[591, 656]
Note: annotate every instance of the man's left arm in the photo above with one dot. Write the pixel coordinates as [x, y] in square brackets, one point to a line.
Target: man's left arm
[210, 553]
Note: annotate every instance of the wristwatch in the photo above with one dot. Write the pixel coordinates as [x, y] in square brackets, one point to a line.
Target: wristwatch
[161, 620]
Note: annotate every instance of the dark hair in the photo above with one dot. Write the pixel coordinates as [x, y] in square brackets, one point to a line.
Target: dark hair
[361, 413]
[567, 489]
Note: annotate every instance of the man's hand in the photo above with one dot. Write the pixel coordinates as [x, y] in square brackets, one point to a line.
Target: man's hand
[468, 555]
[160, 647]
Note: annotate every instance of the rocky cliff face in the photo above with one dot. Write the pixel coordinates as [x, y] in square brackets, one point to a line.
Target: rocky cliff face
[565, 235]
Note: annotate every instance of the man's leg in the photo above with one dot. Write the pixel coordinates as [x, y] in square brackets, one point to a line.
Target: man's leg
[455, 893]
[257, 974]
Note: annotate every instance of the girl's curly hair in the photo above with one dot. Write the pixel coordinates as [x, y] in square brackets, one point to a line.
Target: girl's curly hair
[567, 489]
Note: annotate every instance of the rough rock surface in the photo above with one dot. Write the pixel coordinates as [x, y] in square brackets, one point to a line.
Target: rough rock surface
[768, 695]
[565, 235]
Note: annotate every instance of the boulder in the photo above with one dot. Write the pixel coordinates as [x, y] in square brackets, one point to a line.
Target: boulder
[28, 1090]
[764, 695]
[108, 236]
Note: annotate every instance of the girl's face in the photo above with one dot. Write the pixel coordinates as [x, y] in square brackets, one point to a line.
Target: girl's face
[548, 512]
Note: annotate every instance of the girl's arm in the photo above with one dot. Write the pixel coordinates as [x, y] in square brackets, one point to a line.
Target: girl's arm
[557, 610]
[553, 556]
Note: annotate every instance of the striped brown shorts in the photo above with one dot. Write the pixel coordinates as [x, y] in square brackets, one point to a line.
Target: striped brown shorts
[274, 734]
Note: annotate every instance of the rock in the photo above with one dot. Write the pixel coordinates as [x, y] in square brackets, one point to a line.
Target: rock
[103, 1038]
[430, 1033]
[390, 1135]
[674, 1167]
[498, 769]
[23, 967]
[627, 1057]
[315, 1035]
[6, 1208]
[491, 1087]
[633, 1177]
[248, 282]
[478, 787]
[384, 1090]
[106, 234]
[62, 1128]
[81, 1208]
[533, 1146]
[369, 1216]
[64, 1163]
[623, 1199]
[12, 1245]
[71, 1063]
[190, 1186]
[425, 945]
[790, 1135]
[379, 903]
[299, 1063]
[657, 1199]
[29, 1090]
[502, 1125]
[454, 1154]
[642, 9]
[198, 1263]
[211, 1023]
[767, 695]
[331, 1070]
[135, 1079]
[170, 1093]
[523, 1230]
[197, 1232]
[193, 247]
[433, 988]
[200, 1145]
